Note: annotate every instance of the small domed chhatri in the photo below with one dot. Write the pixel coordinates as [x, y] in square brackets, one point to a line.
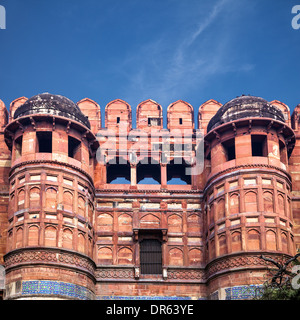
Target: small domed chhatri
[47, 103]
[245, 107]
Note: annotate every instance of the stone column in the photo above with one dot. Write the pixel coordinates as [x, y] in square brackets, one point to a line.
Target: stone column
[163, 175]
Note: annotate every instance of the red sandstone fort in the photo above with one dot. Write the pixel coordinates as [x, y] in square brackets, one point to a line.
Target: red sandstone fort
[120, 212]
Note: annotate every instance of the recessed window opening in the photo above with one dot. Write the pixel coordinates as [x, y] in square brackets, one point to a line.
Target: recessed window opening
[229, 147]
[154, 122]
[18, 147]
[151, 256]
[148, 173]
[118, 119]
[118, 173]
[74, 148]
[259, 146]
[180, 120]
[44, 142]
[177, 173]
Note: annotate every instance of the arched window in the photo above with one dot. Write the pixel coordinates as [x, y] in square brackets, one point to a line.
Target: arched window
[33, 236]
[236, 241]
[281, 202]
[176, 172]
[105, 222]
[148, 171]
[67, 239]
[81, 206]
[118, 171]
[253, 240]
[251, 201]
[34, 197]
[51, 194]
[21, 199]
[105, 255]
[195, 257]
[174, 223]
[68, 201]
[284, 242]
[19, 238]
[81, 243]
[234, 203]
[222, 245]
[271, 240]
[50, 236]
[125, 256]
[193, 222]
[149, 221]
[268, 201]
[125, 223]
[175, 257]
[220, 209]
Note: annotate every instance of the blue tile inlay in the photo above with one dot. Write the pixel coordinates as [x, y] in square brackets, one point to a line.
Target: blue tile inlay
[243, 292]
[47, 287]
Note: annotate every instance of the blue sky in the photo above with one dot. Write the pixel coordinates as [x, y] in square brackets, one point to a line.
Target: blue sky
[165, 50]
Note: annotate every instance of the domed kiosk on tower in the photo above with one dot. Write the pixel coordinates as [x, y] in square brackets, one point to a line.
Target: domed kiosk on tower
[50, 104]
[245, 107]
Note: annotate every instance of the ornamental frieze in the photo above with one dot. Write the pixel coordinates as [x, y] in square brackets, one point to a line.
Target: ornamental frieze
[33, 256]
[246, 261]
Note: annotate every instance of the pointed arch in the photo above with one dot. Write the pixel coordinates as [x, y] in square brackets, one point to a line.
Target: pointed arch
[268, 201]
[281, 204]
[19, 238]
[68, 200]
[149, 115]
[125, 222]
[33, 235]
[51, 196]
[220, 208]
[67, 242]
[174, 223]
[195, 256]
[180, 115]
[125, 256]
[81, 243]
[253, 239]
[105, 222]
[34, 197]
[222, 245]
[105, 255]
[236, 241]
[50, 236]
[118, 111]
[206, 111]
[251, 201]
[21, 199]
[234, 203]
[271, 240]
[149, 221]
[193, 222]
[175, 257]
[284, 242]
[81, 206]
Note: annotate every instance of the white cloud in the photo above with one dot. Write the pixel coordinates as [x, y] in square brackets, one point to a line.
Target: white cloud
[167, 67]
